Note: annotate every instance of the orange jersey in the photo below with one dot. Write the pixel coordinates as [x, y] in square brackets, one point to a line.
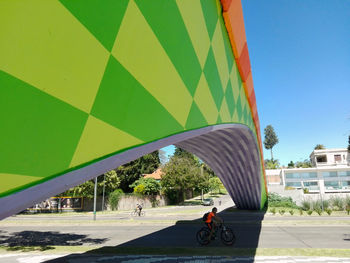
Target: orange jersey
[210, 216]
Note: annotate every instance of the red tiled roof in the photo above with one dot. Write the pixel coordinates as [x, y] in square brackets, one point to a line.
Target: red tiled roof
[157, 174]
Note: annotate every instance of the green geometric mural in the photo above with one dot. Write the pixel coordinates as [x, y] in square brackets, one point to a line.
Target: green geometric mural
[133, 71]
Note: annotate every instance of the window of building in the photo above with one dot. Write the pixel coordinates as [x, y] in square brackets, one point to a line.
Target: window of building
[293, 175]
[332, 185]
[337, 157]
[309, 175]
[343, 173]
[321, 159]
[294, 184]
[329, 174]
[345, 184]
[311, 185]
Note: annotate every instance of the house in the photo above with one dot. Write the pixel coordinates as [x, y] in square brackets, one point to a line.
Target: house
[157, 175]
[330, 173]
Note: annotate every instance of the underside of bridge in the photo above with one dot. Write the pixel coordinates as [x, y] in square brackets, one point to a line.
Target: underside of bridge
[87, 86]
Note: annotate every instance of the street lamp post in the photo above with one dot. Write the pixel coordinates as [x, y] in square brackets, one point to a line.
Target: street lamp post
[95, 194]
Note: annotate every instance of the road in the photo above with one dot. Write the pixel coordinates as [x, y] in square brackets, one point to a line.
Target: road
[172, 227]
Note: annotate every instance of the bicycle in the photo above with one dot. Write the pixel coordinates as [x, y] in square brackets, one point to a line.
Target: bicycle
[226, 235]
[136, 213]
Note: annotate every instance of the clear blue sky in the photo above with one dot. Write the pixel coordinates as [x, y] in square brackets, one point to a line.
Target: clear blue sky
[300, 59]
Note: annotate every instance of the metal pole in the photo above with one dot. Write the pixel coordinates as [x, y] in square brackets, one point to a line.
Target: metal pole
[202, 177]
[95, 194]
[103, 193]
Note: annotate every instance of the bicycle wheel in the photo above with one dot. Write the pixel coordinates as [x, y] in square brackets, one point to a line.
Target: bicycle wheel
[228, 237]
[142, 213]
[202, 236]
[134, 213]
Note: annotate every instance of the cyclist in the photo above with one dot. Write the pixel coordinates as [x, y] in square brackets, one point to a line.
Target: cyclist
[213, 220]
[139, 209]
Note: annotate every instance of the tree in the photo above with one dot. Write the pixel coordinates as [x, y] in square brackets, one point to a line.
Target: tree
[291, 164]
[303, 164]
[150, 186]
[272, 164]
[179, 152]
[179, 176]
[271, 139]
[349, 144]
[215, 184]
[319, 147]
[86, 189]
[132, 171]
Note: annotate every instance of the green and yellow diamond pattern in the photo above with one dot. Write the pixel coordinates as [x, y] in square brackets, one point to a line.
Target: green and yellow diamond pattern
[81, 80]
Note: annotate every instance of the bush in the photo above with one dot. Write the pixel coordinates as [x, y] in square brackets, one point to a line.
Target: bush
[325, 204]
[273, 211]
[347, 204]
[114, 198]
[305, 190]
[309, 212]
[281, 212]
[291, 212]
[275, 200]
[139, 189]
[316, 205]
[301, 212]
[329, 211]
[318, 211]
[337, 203]
[306, 205]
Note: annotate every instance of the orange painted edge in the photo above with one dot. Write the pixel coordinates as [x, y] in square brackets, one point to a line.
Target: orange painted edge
[243, 63]
[227, 6]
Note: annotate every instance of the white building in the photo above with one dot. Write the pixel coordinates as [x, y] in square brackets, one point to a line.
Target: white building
[329, 157]
[330, 174]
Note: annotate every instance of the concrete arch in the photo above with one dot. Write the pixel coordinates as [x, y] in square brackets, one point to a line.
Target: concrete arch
[229, 149]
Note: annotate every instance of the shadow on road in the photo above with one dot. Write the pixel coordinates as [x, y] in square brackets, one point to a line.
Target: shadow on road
[180, 239]
[37, 240]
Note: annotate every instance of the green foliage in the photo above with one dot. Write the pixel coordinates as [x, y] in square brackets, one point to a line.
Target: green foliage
[318, 210]
[114, 198]
[149, 186]
[337, 203]
[272, 164]
[110, 180]
[319, 147]
[215, 184]
[305, 190]
[275, 200]
[273, 210]
[309, 212]
[291, 164]
[301, 212]
[132, 171]
[139, 189]
[281, 212]
[328, 211]
[325, 204]
[303, 164]
[317, 205]
[291, 212]
[183, 173]
[306, 205]
[271, 138]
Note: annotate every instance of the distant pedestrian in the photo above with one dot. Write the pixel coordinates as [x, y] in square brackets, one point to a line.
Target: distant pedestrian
[219, 202]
